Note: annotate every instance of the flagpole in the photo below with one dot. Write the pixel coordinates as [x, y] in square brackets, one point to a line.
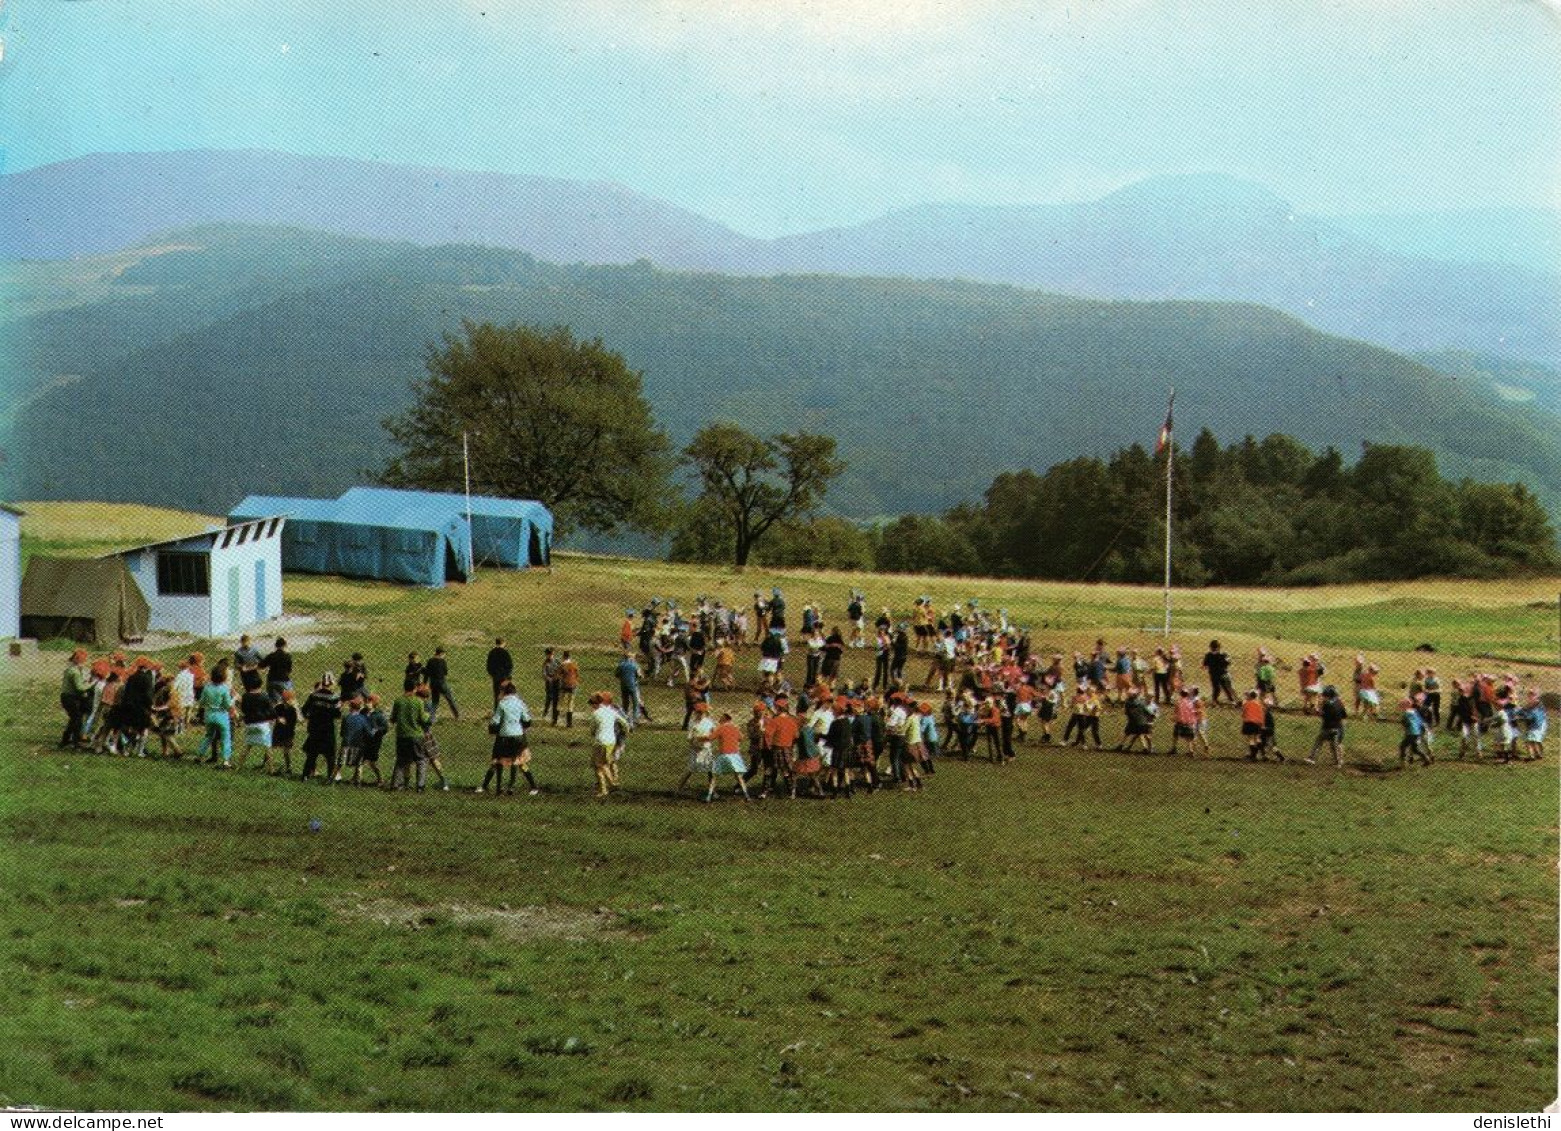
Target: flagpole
[1170, 458]
[466, 468]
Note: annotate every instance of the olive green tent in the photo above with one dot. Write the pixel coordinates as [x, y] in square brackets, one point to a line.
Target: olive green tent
[94, 601]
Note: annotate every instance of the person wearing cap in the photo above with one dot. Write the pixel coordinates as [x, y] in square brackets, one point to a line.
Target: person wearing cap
[437, 673]
[1333, 713]
[780, 741]
[320, 711]
[610, 734]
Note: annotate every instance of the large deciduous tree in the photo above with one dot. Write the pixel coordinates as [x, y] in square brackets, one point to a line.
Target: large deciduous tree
[748, 483]
[547, 417]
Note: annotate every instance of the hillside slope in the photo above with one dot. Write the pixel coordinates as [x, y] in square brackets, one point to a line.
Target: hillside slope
[200, 395]
[1170, 237]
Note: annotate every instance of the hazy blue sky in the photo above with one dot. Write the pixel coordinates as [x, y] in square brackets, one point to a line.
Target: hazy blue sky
[780, 115]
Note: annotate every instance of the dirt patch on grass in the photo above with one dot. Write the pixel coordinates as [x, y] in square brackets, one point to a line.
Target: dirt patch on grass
[1422, 1052]
[516, 924]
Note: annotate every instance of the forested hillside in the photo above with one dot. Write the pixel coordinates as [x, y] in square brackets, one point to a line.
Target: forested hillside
[264, 359]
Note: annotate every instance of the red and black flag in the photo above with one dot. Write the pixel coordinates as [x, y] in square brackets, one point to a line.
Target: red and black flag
[1165, 430]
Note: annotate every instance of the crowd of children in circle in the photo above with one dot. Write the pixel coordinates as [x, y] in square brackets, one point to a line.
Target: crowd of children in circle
[984, 688]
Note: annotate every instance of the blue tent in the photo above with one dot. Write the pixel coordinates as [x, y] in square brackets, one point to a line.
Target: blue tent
[508, 532]
[420, 539]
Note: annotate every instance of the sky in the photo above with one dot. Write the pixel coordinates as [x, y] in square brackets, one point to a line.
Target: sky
[777, 116]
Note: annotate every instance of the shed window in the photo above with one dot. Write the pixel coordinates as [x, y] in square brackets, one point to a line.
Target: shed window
[183, 575]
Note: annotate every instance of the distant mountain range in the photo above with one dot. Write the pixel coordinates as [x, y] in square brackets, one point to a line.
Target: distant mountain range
[223, 360]
[1389, 280]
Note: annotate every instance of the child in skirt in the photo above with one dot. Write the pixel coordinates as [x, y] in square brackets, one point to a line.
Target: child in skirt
[728, 742]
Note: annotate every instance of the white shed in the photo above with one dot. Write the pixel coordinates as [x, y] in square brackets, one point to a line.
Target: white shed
[212, 584]
[10, 572]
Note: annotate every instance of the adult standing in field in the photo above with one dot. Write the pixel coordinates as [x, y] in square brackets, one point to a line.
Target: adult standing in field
[1333, 713]
[320, 712]
[511, 750]
[75, 697]
[761, 618]
[500, 666]
[1216, 661]
[437, 673]
[899, 652]
[410, 722]
[278, 666]
[777, 612]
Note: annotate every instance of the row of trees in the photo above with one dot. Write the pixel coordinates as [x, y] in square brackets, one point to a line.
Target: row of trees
[536, 414]
[566, 422]
[1259, 512]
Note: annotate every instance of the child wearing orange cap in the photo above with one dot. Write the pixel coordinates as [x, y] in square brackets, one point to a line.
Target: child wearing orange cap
[610, 730]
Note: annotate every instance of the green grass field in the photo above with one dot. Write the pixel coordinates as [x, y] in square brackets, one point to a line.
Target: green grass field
[1076, 930]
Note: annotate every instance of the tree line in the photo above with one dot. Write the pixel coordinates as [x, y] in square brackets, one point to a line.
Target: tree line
[537, 414]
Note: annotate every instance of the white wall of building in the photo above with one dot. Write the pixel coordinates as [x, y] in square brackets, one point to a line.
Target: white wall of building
[244, 578]
[10, 575]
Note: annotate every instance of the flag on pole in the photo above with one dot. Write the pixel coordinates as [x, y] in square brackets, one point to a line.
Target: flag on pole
[1165, 430]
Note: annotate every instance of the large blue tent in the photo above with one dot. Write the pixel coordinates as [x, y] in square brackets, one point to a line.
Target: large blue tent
[515, 533]
[418, 536]
[422, 542]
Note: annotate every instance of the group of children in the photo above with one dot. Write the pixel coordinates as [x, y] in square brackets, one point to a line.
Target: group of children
[824, 735]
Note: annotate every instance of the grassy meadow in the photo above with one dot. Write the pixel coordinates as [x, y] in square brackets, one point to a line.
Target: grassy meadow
[1075, 930]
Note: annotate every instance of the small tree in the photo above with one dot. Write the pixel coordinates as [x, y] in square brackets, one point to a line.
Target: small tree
[546, 417]
[748, 484]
